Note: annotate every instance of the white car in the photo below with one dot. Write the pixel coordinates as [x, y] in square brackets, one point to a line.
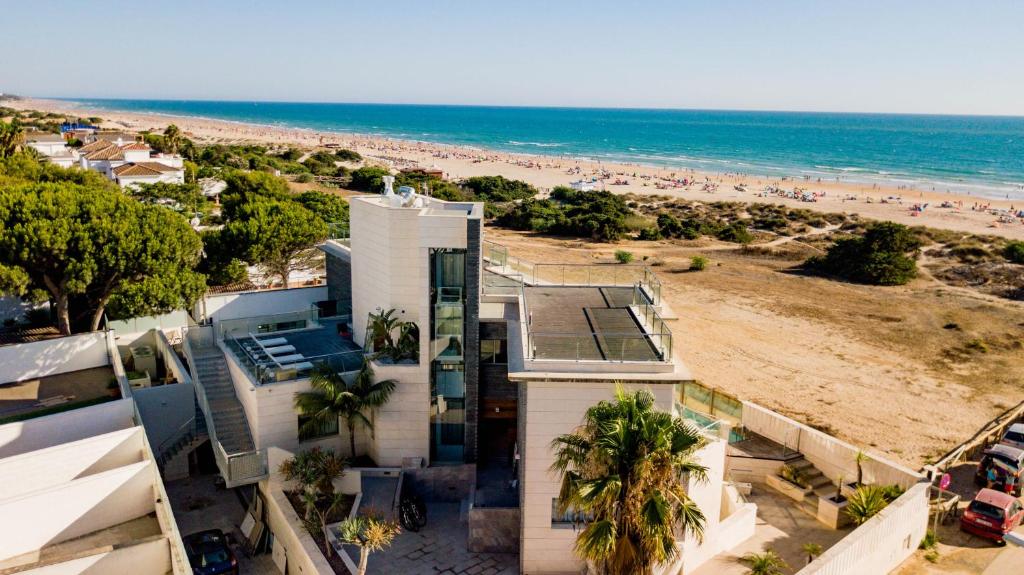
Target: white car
[1014, 437]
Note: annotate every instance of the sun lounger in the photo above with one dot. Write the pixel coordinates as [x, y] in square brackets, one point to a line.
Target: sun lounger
[304, 366]
[274, 341]
[281, 349]
[290, 358]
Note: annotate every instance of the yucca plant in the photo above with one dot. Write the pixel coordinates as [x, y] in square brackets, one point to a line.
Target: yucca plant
[369, 534]
[860, 459]
[866, 502]
[625, 469]
[766, 563]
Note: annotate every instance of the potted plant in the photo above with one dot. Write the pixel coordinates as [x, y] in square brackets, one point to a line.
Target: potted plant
[832, 509]
[860, 459]
[790, 482]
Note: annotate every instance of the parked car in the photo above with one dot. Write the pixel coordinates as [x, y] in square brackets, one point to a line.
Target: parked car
[209, 554]
[1007, 462]
[1014, 437]
[992, 515]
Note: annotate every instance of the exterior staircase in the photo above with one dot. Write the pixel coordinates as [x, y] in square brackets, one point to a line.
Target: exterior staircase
[821, 485]
[232, 428]
[238, 460]
[173, 458]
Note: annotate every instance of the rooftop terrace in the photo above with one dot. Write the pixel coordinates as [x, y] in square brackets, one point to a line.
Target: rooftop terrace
[594, 324]
[285, 347]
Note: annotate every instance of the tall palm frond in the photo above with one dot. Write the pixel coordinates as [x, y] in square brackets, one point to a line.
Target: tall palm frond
[624, 470]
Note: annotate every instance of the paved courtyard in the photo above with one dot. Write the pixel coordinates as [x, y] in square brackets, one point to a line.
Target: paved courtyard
[440, 547]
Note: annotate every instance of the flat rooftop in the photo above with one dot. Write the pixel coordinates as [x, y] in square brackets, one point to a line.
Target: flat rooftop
[587, 323]
[54, 392]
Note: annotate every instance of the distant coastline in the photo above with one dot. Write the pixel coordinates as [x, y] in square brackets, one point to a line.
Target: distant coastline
[982, 156]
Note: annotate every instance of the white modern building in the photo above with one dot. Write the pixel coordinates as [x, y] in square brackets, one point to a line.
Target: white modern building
[510, 355]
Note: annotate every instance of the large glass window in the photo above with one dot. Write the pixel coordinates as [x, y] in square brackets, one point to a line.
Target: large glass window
[448, 381]
[493, 351]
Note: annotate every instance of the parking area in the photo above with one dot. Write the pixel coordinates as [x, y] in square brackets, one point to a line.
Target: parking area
[198, 505]
[961, 552]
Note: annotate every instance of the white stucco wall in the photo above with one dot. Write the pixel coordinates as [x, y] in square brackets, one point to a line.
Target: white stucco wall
[551, 409]
[39, 358]
[257, 303]
[50, 430]
[151, 556]
[402, 425]
[59, 464]
[76, 508]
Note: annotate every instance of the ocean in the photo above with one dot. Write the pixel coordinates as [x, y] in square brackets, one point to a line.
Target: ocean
[983, 155]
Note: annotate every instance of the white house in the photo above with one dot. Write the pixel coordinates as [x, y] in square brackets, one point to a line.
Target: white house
[54, 147]
[147, 173]
[130, 163]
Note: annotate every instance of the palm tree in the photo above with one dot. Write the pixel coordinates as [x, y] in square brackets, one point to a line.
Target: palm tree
[332, 397]
[11, 137]
[767, 563]
[172, 138]
[626, 469]
[812, 550]
[369, 534]
[860, 459]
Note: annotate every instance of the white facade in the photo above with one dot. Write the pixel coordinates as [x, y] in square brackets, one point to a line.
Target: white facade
[84, 499]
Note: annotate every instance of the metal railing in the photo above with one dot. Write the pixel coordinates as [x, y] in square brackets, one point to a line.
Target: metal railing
[184, 430]
[236, 468]
[596, 275]
[652, 343]
[339, 232]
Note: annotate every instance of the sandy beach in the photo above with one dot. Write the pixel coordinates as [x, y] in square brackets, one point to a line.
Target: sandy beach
[938, 209]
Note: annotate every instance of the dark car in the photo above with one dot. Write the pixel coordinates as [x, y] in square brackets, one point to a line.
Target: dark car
[992, 515]
[209, 554]
[1007, 463]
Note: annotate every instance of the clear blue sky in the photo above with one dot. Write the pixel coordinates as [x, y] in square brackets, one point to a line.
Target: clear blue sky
[939, 56]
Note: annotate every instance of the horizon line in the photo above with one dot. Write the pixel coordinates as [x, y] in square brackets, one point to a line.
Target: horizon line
[521, 106]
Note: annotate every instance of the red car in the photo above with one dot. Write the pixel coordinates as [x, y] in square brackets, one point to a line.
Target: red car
[992, 514]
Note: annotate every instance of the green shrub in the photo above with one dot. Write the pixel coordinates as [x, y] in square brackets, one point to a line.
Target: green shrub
[304, 178]
[623, 257]
[368, 179]
[346, 155]
[879, 257]
[649, 234]
[1014, 251]
[499, 189]
[736, 232]
[698, 263]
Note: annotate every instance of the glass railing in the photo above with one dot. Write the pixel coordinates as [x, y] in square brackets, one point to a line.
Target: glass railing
[597, 275]
[598, 346]
[339, 232]
[264, 369]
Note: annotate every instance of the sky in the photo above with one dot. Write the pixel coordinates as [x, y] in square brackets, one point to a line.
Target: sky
[908, 56]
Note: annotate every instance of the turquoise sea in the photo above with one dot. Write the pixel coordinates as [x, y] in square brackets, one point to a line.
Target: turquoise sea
[983, 155]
